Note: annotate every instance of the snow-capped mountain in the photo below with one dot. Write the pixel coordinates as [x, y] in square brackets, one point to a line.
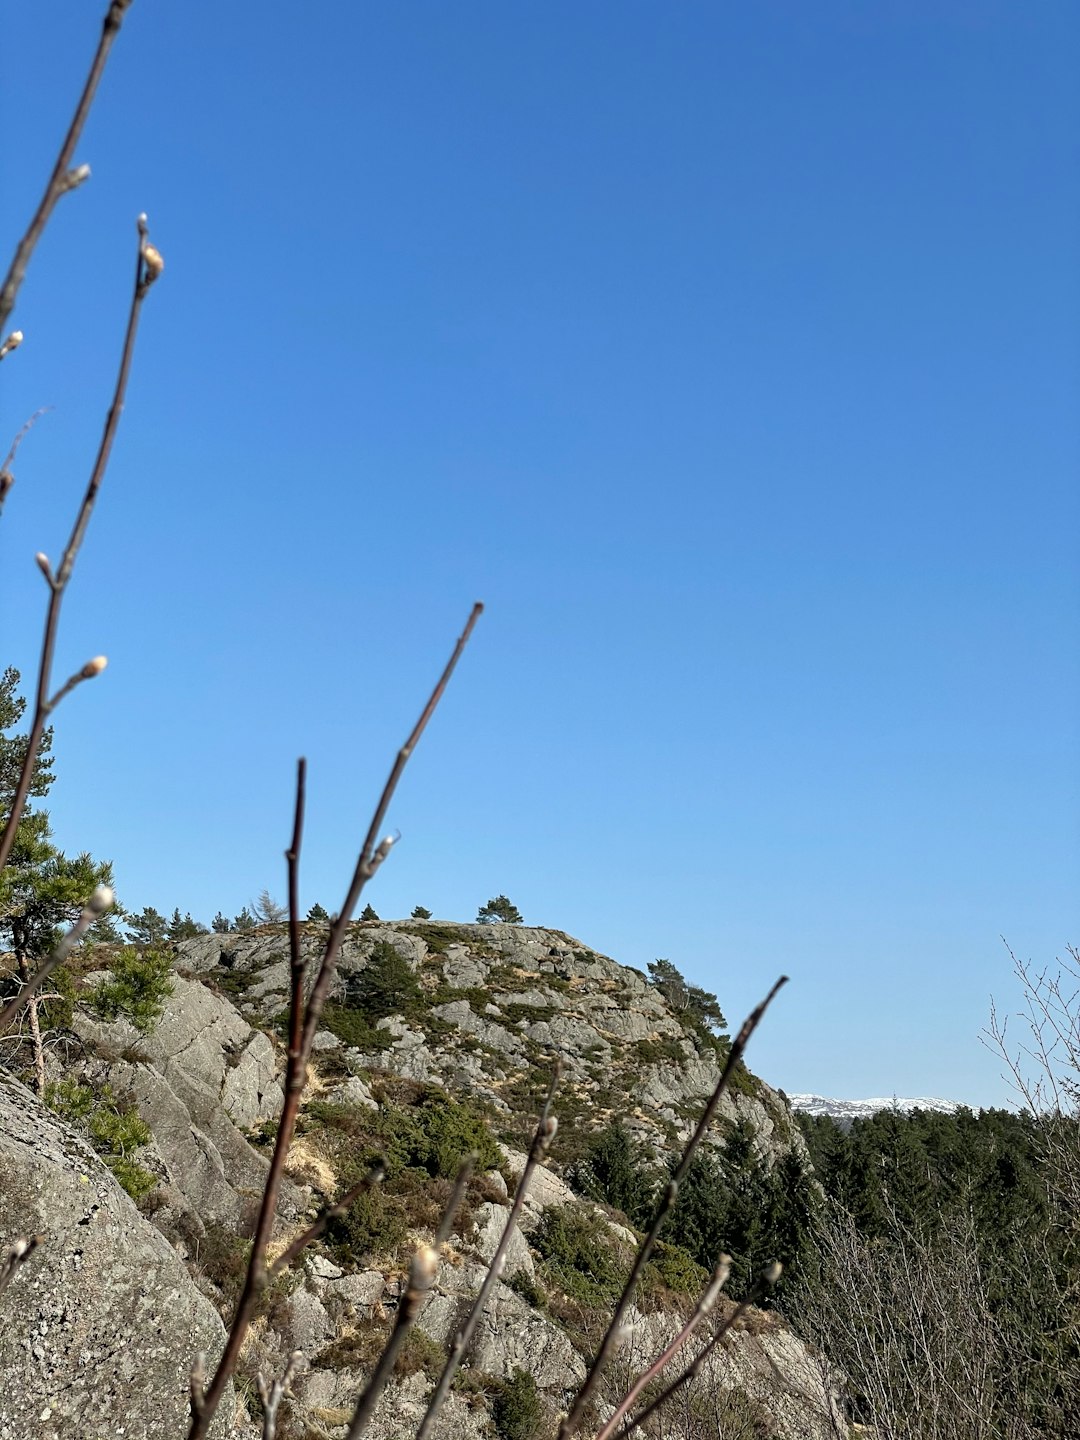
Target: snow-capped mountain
[849, 1110]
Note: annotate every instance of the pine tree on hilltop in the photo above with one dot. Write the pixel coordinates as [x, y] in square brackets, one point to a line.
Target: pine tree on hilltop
[499, 908]
[419, 913]
[369, 913]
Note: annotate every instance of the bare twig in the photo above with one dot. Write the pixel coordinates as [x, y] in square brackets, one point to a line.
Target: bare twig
[375, 1176]
[148, 267]
[292, 858]
[611, 1337]
[373, 851]
[545, 1133]
[63, 177]
[765, 1281]
[7, 477]
[701, 1309]
[272, 1392]
[371, 856]
[100, 902]
[16, 1257]
[422, 1274]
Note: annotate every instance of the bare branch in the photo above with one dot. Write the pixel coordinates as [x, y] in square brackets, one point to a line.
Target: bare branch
[375, 1176]
[574, 1419]
[545, 1133]
[146, 271]
[63, 177]
[271, 1393]
[371, 856]
[422, 1272]
[701, 1310]
[765, 1281]
[7, 478]
[373, 851]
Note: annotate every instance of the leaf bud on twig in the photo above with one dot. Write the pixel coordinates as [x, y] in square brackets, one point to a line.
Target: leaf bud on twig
[153, 263]
[93, 667]
[13, 341]
[75, 177]
[424, 1268]
[101, 900]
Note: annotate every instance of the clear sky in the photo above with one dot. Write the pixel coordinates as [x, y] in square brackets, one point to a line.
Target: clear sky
[729, 352]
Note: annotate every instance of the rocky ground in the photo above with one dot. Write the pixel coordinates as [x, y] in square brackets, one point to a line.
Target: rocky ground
[465, 1063]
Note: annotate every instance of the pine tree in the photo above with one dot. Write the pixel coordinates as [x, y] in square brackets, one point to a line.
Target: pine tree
[698, 1006]
[148, 927]
[183, 927]
[419, 913]
[318, 916]
[244, 921]
[369, 913]
[42, 890]
[499, 908]
[220, 924]
[385, 986]
[13, 747]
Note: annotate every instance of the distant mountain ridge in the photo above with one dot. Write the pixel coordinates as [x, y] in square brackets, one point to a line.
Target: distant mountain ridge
[848, 1110]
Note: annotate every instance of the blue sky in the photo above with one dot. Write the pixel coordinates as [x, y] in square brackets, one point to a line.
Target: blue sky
[729, 353]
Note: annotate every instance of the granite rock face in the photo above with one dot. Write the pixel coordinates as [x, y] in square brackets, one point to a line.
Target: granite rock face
[497, 1004]
[98, 1328]
[504, 998]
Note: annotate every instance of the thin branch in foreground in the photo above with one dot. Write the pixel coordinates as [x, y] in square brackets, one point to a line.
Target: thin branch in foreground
[422, 1273]
[272, 1392]
[371, 856]
[704, 1307]
[63, 177]
[541, 1142]
[148, 266]
[99, 903]
[340, 1208]
[16, 1256]
[7, 477]
[613, 1333]
[765, 1281]
[373, 851]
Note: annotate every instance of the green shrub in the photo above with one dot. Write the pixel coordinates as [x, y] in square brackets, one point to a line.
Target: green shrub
[655, 1052]
[374, 1225]
[516, 1408]
[676, 1269]
[112, 1127]
[523, 1284]
[137, 990]
[580, 1255]
[352, 1027]
[420, 1352]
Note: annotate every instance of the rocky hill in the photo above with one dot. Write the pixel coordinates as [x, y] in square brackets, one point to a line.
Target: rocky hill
[439, 1039]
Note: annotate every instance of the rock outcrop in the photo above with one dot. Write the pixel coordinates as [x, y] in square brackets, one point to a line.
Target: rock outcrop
[99, 1327]
[489, 1008]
